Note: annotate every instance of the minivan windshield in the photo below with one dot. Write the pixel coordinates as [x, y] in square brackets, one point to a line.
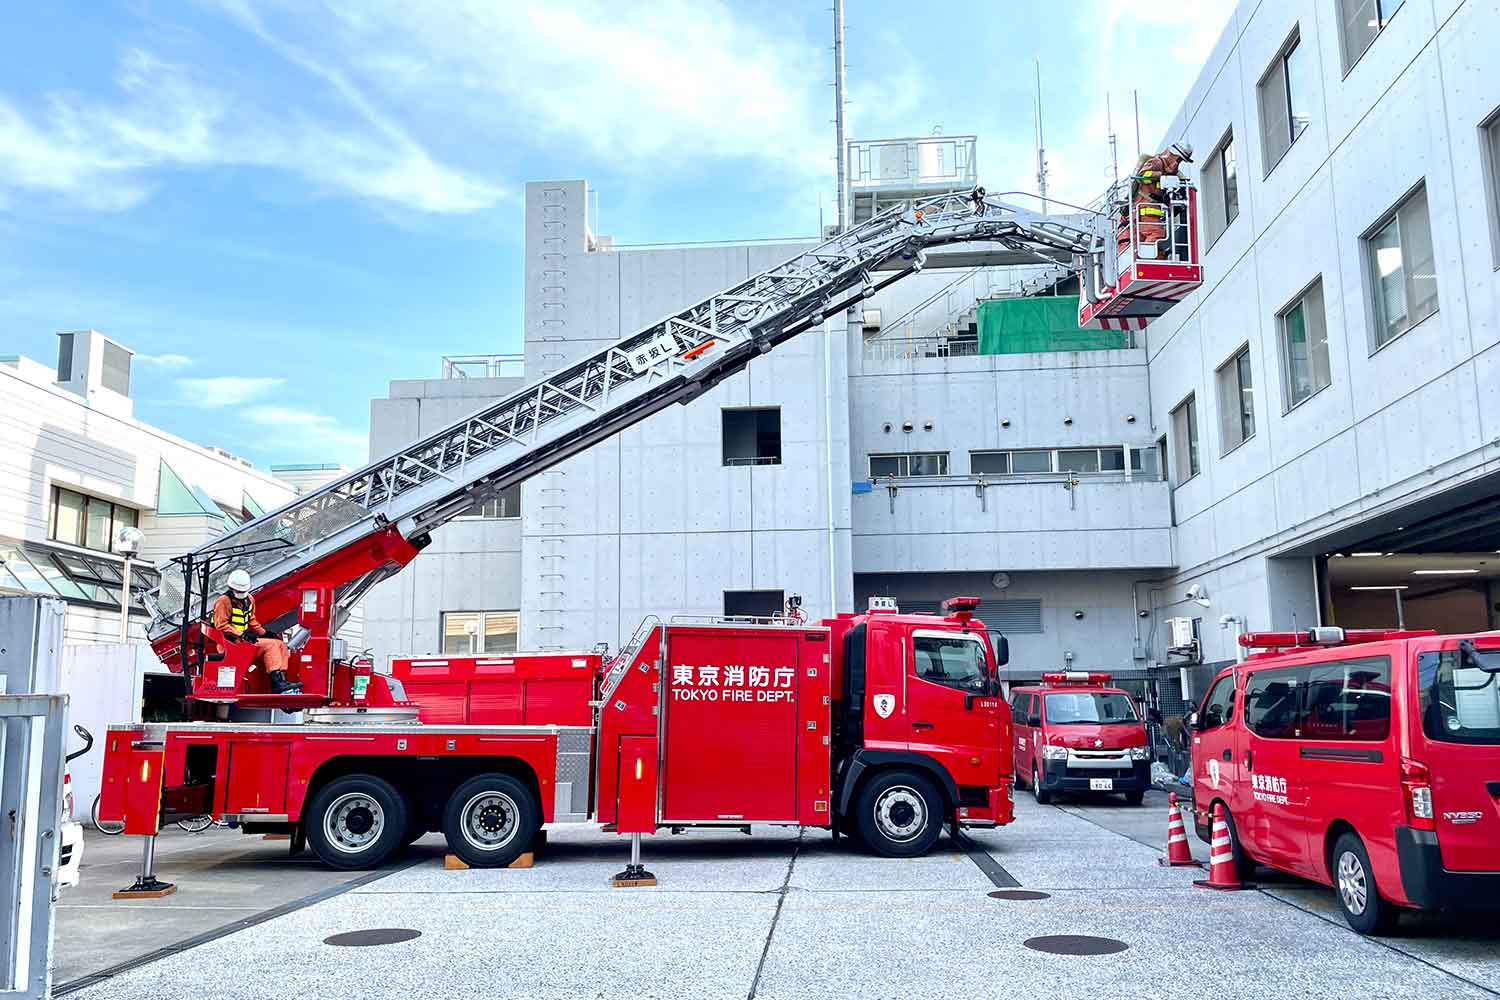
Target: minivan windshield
[1089, 706]
[1460, 696]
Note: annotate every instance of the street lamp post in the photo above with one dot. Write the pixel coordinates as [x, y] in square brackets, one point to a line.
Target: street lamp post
[128, 544]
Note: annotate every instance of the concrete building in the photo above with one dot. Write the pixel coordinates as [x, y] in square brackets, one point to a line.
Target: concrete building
[1332, 391]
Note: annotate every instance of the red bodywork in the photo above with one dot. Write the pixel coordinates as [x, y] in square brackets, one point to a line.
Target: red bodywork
[502, 689]
[1097, 752]
[1146, 288]
[1345, 738]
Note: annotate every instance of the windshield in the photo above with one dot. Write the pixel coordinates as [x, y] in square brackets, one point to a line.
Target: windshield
[1460, 696]
[957, 661]
[1090, 706]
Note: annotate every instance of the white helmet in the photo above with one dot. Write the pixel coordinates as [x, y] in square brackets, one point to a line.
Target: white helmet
[239, 582]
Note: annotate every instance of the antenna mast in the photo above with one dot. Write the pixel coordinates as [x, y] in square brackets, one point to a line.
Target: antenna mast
[1041, 148]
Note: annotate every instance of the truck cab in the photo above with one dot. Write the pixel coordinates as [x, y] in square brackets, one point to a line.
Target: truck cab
[1076, 733]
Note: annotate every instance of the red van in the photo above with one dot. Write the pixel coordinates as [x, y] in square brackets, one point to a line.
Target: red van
[1368, 761]
[1075, 733]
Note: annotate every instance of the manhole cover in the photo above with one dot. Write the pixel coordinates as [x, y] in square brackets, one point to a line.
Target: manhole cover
[1075, 944]
[374, 936]
[1019, 894]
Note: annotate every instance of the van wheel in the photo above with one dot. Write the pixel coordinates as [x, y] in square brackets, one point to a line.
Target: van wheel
[1354, 885]
[900, 814]
[1135, 798]
[491, 820]
[357, 821]
[1244, 864]
[1042, 797]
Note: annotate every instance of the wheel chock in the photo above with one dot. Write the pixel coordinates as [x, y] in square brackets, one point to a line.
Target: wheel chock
[453, 863]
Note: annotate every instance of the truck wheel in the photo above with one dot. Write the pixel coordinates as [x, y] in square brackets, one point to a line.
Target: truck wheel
[1354, 885]
[899, 814]
[356, 821]
[491, 820]
[1037, 792]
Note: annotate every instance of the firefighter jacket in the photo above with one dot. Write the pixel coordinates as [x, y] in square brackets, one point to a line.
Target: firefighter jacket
[233, 614]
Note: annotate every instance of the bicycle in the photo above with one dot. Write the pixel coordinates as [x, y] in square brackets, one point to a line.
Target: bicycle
[193, 824]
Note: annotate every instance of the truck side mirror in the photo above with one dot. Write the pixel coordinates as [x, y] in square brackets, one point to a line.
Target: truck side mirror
[1002, 651]
[1192, 720]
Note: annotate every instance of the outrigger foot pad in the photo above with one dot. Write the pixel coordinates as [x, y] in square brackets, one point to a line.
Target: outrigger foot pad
[147, 888]
[633, 877]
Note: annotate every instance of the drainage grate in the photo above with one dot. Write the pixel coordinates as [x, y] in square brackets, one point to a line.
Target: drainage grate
[1019, 894]
[1075, 944]
[374, 936]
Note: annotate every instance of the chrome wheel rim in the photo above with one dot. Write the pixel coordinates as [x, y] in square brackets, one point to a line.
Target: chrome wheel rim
[490, 820]
[1354, 888]
[353, 821]
[900, 813]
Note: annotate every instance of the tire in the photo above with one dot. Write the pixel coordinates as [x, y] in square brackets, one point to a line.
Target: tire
[108, 828]
[1244, 864]
[357, 821]
[1135, 798]
[1041, 795]
[1354, 887]
[899, 814]
[196, 824]
[491, 820]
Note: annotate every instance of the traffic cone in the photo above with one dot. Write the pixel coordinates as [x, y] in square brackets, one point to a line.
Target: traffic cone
[1178, 853]
[1221, 873]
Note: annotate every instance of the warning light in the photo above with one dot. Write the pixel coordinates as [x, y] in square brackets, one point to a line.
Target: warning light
[145, 770]
[1076, 677]
[960, 609]
[637, 769]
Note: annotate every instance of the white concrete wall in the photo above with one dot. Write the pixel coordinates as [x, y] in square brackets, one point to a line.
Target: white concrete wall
[104, 682]
[1400, 424]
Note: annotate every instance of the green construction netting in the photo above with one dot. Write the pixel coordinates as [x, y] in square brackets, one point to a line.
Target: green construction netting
[1022, 326]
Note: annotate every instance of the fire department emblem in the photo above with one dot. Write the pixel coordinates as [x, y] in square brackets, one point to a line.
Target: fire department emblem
[885, 704]
[1098, 744]
[1213, 771]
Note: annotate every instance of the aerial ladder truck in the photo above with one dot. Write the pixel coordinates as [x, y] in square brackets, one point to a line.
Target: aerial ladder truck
[881, 726]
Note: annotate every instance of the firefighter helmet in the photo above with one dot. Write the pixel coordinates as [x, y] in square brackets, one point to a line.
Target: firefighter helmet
[239, 582]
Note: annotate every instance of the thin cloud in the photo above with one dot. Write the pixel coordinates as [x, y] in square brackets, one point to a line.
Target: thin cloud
[225, 390]
[316, 434]
[168, 361]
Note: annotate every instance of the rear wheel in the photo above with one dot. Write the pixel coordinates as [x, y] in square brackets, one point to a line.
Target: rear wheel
[1354, 885]
[899, 814]
[1042, 797]
[357, 821]
[491, 820]
[1135, 798]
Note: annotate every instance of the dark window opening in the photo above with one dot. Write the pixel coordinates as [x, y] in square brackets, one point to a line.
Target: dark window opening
[752, 436]
[754, 603]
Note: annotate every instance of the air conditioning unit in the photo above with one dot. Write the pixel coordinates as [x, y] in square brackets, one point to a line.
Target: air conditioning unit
[1180, 633]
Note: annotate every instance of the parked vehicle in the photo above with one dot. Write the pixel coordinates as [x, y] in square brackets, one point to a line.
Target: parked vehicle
[70, 832]
[1076, 733]
[1366, 760]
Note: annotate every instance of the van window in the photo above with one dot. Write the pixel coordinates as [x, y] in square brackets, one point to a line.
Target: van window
[1349, 700]
[1218, 707]
[1018, 703]
[1273, 703]
[1460, 699]
[1101, 707]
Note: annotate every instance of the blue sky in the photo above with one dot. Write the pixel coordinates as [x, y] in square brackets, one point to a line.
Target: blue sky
[283, 205]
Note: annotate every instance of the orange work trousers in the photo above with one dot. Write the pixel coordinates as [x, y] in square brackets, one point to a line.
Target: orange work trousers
[271, 654]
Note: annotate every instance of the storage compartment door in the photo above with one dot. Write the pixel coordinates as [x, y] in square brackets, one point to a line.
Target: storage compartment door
[257, 778]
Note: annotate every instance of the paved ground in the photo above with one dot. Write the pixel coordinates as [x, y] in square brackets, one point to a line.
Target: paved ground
[797, 916]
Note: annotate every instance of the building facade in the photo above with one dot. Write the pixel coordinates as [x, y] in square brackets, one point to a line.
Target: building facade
[1316, 427]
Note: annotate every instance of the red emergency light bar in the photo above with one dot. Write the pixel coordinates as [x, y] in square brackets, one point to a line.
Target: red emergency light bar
[1077, 677]
[960, 609]
[1328, 635]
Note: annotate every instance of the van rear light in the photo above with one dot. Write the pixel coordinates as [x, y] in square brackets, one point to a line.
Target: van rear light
[1416, 792]
[67, 808]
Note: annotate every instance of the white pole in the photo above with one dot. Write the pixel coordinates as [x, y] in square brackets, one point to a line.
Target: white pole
[838, 110]
[125, 604]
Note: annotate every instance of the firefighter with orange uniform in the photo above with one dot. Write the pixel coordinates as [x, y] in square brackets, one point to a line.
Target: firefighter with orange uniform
[234, 617]
[1146, 202]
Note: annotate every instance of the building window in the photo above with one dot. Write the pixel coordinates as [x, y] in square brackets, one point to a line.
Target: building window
[1030, 462]
[1041, 461]
[754, 603]
[1304, 347]
[473, 632]
[1147, 464]
[1359, 22]
[1221, 189]
[115, 370]
[88, 522]
[1402, 269]
[989, 463]
[930, 463]
[64, 357]
[502, 506]
[1185, 439]
[1236, 401]
[1285, 97]
[1490, 136]
[752, 436]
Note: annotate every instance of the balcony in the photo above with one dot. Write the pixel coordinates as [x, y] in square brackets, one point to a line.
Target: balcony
[484, 366]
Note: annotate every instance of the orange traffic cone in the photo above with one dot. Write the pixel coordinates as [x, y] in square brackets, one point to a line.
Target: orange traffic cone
[1178, 853]
[1221, 873]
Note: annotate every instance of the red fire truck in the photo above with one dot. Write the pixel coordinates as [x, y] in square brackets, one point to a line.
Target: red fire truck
[879, 725]
[1076, 733]
[1368, 760]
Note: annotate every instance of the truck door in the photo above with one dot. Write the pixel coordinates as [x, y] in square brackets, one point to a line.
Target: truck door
[1459, 701]
[953, 711]
[1215, 766]
[1273, 821]
[1020, 719]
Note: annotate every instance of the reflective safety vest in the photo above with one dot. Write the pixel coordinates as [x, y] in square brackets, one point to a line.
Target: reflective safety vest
[1152, 211]
[240, 614]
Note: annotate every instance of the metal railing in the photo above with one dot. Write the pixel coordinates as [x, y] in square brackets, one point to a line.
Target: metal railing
[912, 348]
[484, 366]
[939, 161]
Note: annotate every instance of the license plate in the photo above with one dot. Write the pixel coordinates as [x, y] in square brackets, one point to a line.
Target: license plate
[1101, 784]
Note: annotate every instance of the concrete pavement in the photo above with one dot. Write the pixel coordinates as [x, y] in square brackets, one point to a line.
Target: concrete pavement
[783, 914]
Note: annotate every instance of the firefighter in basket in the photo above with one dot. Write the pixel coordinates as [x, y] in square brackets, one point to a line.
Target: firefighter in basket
[1147, 203]
[234, 617]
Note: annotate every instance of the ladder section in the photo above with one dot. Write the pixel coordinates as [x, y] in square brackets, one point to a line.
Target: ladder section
[674, 360]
